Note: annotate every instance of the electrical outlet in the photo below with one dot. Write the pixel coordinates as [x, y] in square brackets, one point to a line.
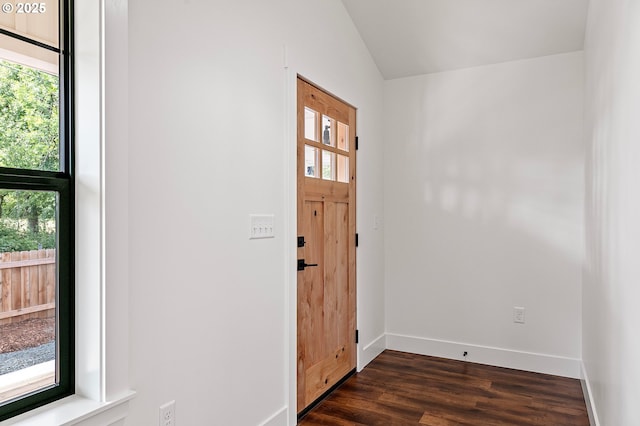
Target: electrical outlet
[168, 414]
[518, 314]
[377, 222]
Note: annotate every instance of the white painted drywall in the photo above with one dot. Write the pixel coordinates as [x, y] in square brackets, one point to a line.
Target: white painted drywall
[483, 205]
[611, 320]
[210, 130]
[116, 199]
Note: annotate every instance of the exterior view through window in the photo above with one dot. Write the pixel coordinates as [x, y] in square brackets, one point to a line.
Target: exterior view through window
[36, 206]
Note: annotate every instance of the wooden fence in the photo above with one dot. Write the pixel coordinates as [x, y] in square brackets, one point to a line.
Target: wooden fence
[27, 285]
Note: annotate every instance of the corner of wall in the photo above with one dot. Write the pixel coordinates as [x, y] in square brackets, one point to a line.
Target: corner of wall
[588, 397]
[370, 351]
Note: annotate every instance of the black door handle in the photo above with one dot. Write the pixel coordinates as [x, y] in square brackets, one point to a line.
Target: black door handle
[302, 265]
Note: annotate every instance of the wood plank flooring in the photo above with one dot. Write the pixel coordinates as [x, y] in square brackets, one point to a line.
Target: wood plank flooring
[398, 388]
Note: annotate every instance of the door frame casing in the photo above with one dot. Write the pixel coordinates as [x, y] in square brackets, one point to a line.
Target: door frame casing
[290, 233]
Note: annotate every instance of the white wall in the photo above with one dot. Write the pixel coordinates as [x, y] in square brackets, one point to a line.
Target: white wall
[210, 142]
[611, 347]
[116, 208]
[483, 205]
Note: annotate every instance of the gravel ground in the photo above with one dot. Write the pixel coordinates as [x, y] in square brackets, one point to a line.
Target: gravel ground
[12, 361]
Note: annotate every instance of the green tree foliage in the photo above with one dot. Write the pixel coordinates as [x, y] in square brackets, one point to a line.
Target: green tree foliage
[29, 139]
[29, 135]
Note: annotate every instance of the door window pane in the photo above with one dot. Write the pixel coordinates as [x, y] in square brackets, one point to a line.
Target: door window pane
[328, 165]
[343, 168]
[343, 136]
[28, 229]
[310, 161]
[310, 122]
[328, 131]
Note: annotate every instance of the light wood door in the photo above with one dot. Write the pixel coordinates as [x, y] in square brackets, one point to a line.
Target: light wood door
[326, 221]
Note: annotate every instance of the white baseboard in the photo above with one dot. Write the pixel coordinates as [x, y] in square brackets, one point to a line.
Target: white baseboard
[277, 419]
[588, 398]
[528, 361]
[372, 350]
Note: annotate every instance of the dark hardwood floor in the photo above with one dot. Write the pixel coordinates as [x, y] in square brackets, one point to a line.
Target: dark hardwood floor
[405, 389]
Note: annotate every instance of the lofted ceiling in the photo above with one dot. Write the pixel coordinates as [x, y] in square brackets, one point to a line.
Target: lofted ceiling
[411, 37]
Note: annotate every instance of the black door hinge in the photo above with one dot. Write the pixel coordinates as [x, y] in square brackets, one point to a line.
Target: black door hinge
[357, 240]
[356, 143]
[357, 337]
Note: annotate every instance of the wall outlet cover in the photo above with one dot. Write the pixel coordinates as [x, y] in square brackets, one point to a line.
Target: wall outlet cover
[167, 414]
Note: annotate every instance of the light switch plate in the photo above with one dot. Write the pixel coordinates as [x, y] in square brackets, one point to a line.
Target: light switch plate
[261, 226]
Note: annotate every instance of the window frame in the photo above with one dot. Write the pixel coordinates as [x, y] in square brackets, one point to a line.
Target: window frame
[63, 183]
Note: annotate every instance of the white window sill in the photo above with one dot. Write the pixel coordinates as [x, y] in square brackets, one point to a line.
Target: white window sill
[75, 410]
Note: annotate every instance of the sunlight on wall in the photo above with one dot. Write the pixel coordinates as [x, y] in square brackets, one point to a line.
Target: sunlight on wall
[531, 197]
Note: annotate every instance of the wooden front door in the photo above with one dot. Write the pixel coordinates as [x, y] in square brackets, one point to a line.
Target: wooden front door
[326, 220]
